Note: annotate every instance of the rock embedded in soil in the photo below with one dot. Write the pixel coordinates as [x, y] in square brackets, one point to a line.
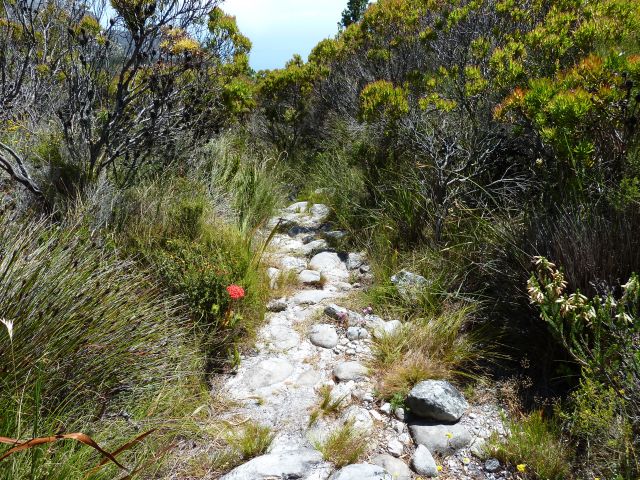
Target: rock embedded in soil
[395, 447]
[346, 371]
[396, 467]
[362, 471]
[269, 372]
[492, 465]
[311, 297]
[409, 283]
[303, 464]
[323, 335]
[423, 462]
[437, 400]
[357, 333]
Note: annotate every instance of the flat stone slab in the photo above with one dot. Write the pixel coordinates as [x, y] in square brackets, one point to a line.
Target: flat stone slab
[311, 297]
[268, 372]
[362, 471]
[303, 464]
[441, 439]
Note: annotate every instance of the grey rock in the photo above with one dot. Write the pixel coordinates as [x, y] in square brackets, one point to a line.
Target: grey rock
[437, 400]
[342, 314]
[303, 464]
[441, 439]
[320, 211]
[357, 333]
[381, 328]
[346, 371]
[362, 471]
[323, 335]
[492, 465]
[293, 263]
[396, 467]
[409, 283]
[309, 277]
[395, 447]
[277, 305]
[400, 414]
[423, 462]
[335, 234]
[386, 408]
[269, 372]
[355, 261]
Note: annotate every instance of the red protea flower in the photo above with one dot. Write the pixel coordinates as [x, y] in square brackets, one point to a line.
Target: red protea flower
[235, 291]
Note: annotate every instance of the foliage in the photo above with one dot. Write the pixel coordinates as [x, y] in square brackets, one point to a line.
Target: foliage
[532, 445]
[601, 335]
[344, 446]
[91, 336]
[426, 348]
[250, 441]
[353, 12]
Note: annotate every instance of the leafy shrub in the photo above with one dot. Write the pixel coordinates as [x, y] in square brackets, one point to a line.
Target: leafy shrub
[601, 335]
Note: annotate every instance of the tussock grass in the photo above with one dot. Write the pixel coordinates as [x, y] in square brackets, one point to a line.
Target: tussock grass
[250, 441]
[534, 443]
[95, 348]
[344, 446]
[434, 348]
[328, 405]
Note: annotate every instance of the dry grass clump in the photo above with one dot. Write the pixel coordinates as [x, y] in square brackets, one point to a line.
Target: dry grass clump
[344, 446]
[436, 348]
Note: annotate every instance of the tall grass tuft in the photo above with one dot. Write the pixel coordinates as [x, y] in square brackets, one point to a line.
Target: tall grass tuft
[92, 337]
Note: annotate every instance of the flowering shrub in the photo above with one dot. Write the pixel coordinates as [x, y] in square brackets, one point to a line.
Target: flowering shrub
[602, 334]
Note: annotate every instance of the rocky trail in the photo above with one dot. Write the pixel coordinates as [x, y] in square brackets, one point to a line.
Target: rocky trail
[311, 346]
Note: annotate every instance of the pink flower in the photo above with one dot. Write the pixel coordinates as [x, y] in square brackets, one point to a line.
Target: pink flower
[235, 292]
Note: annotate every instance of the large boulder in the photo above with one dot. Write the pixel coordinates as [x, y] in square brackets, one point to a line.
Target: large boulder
[362, 471]
[303, 464]
[437, 400]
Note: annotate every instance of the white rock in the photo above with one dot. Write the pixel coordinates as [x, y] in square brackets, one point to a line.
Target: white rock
[395, 447]
[293, 263]
[269, 372]
[346, 371]
[277, 305]
[329, 264]
[320, 211]
[323, 335]
[396, 467]
[441, 439]
[309, 277]
[409, 283]
[360, 418]
[298, 207]
[355, 261]
[311, 297]
[423, 462]
[386, 408]
[314, 247]
[303, 464]
[362, 471]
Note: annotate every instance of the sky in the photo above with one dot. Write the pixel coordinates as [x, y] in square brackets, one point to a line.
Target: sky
[280, 28]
